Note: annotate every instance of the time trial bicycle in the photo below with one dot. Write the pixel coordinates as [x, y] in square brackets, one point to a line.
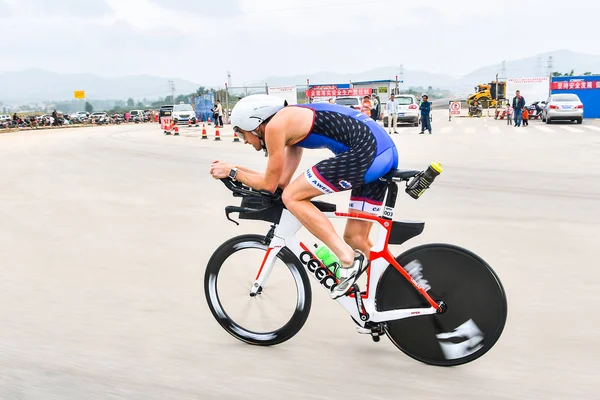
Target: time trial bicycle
[438, 303]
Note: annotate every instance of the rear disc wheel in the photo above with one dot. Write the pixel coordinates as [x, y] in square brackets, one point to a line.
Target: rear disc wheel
[476, 306]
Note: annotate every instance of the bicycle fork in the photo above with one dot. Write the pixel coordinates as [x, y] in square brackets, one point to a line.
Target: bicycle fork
[267, 263]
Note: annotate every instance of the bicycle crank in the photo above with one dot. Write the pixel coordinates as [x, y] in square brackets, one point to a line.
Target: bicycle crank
[374, 329]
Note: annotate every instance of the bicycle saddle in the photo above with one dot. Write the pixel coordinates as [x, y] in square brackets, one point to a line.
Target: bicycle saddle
[401, 174]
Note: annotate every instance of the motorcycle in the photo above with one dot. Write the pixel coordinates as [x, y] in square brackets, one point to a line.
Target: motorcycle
[475, 111]
[102, 121]
[535, 109]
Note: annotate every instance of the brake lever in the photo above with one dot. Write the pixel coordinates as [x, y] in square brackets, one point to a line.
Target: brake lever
[229, 210]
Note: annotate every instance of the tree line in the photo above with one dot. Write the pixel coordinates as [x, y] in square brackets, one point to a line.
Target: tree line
[572, 73]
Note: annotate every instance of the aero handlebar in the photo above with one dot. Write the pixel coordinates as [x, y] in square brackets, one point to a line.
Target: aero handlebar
[240, 190]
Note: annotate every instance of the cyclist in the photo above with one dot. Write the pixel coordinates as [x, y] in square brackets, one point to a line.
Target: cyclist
[363, 152]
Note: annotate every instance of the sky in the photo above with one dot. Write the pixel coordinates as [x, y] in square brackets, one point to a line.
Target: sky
[200, 40]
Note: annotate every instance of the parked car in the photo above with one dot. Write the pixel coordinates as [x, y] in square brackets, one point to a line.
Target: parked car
[165, 111]
[563, 106]
[137, 116]
[408, 110]
[136, 113]
[182, 113]
[97, 115]
[349, 101]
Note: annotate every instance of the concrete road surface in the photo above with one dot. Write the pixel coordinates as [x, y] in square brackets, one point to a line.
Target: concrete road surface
[105, 234]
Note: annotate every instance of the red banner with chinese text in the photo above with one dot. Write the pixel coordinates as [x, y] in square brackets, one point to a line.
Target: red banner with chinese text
[338, 92]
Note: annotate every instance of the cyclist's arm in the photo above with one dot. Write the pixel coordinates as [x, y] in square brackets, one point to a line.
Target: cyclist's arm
[248, 170]
[275, 142]
[293, 155]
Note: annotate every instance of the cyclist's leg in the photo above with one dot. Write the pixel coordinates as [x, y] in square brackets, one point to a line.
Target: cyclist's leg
[339, 173]
[297, 196]
[357, 233]
[368, 200]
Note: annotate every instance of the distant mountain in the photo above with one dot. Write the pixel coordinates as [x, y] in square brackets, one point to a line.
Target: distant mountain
[39, 85]
[562, 61]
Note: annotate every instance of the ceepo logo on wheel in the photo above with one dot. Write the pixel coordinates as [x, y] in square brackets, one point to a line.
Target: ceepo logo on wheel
[455, 108]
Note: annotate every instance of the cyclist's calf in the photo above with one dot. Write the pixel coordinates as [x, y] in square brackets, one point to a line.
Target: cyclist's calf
[356, 235]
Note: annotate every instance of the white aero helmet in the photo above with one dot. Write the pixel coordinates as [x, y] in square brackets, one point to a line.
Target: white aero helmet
[253, 110]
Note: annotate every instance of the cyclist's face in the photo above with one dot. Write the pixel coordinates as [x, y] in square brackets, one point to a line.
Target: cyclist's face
[249, 138]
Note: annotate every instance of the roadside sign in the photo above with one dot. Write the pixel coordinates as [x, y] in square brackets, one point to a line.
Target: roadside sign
[165, 122]
[289, 93]
[455, 108]
[79, 94]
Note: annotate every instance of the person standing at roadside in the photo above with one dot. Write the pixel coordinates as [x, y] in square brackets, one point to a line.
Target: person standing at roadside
[392, 109]
[425, 108]
[518, 103]
[508, 114]
[366, 105]
[525, 116]
[374, 107]
[219, 114]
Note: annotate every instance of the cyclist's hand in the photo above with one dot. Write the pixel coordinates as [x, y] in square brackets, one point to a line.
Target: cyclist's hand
[219, 169]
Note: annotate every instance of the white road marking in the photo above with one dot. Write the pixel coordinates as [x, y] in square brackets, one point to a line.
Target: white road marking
[571, 129]
[591, 127]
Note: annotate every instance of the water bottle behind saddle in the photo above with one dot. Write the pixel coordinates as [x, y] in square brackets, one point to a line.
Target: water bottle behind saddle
[422, 181]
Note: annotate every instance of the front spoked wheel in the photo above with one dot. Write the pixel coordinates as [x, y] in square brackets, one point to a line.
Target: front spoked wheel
[272, 316]
[476, 307]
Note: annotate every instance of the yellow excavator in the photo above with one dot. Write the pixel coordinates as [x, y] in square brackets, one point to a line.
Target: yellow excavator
[488, 94]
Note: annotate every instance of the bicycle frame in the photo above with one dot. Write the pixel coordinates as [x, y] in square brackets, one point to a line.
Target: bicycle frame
[362, 309]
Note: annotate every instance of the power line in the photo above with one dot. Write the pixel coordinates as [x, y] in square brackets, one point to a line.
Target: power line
[314, 7]
[172, 89]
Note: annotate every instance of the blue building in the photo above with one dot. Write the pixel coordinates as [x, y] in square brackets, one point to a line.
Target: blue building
[586, 87]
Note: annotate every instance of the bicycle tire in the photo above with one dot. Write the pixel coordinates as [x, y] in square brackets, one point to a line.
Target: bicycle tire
[475, 298]
[298, 318]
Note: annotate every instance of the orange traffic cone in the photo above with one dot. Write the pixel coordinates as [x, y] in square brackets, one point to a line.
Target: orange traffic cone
[176, 130]
[189, 123]
[204, 135]
[209, 121]
[236, 138]
[217, 135]
[168, 128]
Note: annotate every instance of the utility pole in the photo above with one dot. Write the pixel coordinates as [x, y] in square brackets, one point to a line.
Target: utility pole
[550, 65]
[172, 90]
[401, 74]
[503, 70]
